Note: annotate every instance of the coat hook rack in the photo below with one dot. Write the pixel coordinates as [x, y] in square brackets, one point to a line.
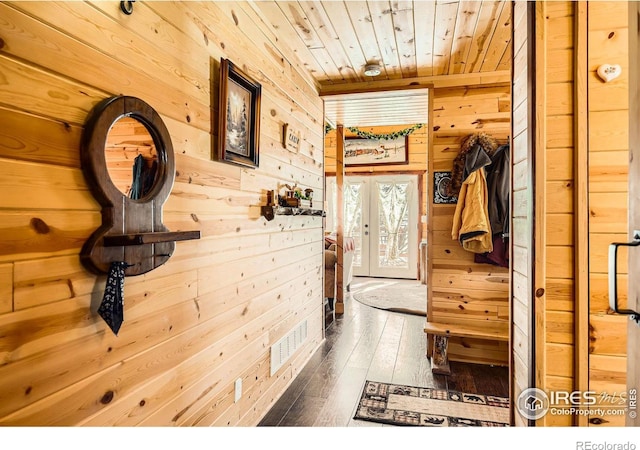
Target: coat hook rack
[127, 7]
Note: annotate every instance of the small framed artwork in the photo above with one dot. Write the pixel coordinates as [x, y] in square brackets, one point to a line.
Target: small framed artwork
[239, 117]
[441, 182]
[368, 152]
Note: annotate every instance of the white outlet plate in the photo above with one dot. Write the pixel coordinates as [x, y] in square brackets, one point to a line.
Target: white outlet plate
[238, 394]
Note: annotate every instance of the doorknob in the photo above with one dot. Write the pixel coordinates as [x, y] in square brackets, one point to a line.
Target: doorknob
[613, 279]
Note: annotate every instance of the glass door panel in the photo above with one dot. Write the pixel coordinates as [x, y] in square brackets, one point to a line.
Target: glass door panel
[381, 215]
[394, 235]
[356, 205]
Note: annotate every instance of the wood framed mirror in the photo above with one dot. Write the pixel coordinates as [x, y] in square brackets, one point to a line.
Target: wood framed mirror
[132, 230]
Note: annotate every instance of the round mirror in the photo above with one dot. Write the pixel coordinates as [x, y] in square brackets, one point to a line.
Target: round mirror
[131, 157]
[128, 162]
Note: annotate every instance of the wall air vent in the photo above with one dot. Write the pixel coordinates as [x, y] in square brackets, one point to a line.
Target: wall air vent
[282, 350]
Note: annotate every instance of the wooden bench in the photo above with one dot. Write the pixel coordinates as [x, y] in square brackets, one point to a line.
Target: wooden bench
[443, 331]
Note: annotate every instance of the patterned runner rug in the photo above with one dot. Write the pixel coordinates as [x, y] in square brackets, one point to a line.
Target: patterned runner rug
[408, 405]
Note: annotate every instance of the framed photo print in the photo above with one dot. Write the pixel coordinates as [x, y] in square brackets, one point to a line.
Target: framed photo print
[239, 117]
[441, 182]
[368, 152]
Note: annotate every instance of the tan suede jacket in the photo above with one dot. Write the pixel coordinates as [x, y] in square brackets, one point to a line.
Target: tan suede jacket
[471, 226]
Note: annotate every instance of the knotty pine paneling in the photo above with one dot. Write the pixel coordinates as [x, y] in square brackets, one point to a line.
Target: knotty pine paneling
[555, 200]
[209, 315]
[461, 290]
[6, 294]
[608, 196]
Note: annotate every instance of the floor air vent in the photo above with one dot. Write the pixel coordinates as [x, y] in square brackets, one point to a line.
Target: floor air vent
[282, 350]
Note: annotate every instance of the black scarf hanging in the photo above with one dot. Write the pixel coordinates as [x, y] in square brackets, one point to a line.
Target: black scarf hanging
[112, 307]
[144, 175]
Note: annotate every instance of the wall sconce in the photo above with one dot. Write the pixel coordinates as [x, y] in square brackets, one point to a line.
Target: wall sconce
[127, 7]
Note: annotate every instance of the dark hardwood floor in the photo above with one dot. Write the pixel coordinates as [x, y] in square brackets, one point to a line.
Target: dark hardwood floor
[370, 344]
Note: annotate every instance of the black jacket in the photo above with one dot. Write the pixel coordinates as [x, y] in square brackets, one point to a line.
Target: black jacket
[498, 187]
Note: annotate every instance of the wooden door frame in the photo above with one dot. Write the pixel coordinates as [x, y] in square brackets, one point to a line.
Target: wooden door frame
[581, 205]
[633, 336]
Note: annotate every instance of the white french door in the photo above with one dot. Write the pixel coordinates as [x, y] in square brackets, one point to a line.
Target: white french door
[381, 215]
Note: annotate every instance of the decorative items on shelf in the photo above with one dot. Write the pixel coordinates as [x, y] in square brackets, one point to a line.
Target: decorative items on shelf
[295, 198]
[294, 202]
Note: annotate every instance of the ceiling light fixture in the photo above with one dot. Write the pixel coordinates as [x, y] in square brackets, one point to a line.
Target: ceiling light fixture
[372, 70]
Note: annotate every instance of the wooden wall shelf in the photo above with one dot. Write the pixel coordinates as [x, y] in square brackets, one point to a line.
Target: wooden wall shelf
[269, 212]
[149, 238]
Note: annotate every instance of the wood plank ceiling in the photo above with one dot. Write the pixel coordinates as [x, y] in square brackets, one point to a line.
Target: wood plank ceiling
[409, 39]
[416, 43]
[379, 108]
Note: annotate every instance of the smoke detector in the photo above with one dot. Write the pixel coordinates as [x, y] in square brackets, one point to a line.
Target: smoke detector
[372, 70]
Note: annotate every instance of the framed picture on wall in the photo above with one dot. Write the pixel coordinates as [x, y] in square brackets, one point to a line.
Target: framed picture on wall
[368, 152]
[239, 117]
[441, 182]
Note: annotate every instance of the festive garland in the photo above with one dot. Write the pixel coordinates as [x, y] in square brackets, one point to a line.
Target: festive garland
[385, 136]
[327, 128]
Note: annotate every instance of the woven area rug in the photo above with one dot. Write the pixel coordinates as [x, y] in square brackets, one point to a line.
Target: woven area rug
[408, 405]
[405, 296]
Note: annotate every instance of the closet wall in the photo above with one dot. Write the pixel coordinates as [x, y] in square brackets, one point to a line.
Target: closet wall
[460, 290]
[608, 197]
[580, 202]
[555, 200]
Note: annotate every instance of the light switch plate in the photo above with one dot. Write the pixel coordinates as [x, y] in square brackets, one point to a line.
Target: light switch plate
[238, 394]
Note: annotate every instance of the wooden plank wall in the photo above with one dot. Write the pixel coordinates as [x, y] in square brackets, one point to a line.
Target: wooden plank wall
[608, 197]
[556, 194]
[522, 205]
[209, 315]
[554, 207]
[461, 291]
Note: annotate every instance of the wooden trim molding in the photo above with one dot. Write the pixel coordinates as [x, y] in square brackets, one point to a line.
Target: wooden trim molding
[537, 176]
[581, 205]
[501, 77]
[512, 385]
[339, 301]
[429, 249]
[633, 336]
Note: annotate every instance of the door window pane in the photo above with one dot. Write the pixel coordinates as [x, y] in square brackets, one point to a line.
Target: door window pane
[353, 198]
[393, 238]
